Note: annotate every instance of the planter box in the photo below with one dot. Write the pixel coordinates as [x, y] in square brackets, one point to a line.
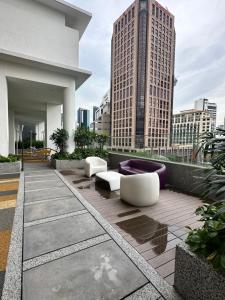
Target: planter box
[67, 164]
[10, 167]
[196, 279]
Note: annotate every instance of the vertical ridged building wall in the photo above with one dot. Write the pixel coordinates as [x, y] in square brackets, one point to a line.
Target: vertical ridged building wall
[142, 76]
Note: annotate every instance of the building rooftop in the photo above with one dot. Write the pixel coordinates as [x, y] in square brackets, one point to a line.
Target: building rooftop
[75, 16]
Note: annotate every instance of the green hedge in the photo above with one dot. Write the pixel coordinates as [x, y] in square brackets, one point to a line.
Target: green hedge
[10, 158]
[79, 154]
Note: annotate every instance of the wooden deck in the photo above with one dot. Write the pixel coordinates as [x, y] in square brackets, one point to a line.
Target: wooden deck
[153, 231]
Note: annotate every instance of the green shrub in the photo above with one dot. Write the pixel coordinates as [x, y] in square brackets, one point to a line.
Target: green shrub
[59, 138]
[81, 153]
[209, 241]
[26, 144]
[10, 158]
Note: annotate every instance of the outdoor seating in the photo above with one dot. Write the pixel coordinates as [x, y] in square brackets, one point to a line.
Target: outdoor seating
[113, 179]
[93, 165]
[42, 153]
[140, 189]
[139, 166]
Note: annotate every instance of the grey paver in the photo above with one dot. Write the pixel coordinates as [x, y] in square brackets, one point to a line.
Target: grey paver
[47, 194]
[51, 208]
[99, 272]
[39, 173]
[43, 184]
[41, 178]
[43, 238]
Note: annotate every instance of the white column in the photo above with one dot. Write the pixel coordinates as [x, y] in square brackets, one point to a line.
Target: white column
[53, 121]
[4, 125]
[69, 115]
[11, 132]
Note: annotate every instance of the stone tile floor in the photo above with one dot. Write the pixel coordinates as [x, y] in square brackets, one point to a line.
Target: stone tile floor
[69, 252]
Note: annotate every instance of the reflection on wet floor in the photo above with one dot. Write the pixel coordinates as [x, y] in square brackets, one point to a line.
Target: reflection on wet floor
[144, 229]
[69, 172]
[81, 180]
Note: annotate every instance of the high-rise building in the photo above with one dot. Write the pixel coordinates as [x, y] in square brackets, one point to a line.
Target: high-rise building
[188, 125]
[204, 104]
[102, 116]
[95, 108]
[142, 76]
[83, 117]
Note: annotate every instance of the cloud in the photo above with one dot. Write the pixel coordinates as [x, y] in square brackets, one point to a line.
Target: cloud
[200, 50]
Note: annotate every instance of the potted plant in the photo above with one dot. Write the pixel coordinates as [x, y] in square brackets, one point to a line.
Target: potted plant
[200, 262]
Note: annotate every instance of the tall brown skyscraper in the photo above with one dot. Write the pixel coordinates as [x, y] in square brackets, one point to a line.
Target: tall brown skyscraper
[142, 76]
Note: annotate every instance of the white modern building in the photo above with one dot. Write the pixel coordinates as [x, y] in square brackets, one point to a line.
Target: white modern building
[102, 116]
[211, 107]
[188, 125]
[39, 67]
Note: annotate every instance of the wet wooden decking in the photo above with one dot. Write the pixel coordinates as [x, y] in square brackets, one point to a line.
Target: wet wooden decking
[153, 231]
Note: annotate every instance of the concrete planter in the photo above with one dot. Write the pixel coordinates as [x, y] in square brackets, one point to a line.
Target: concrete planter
[196, 279]
[10, 167]
[67, 164]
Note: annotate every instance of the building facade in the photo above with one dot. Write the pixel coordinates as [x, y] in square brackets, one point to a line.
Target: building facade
[83, 117]
[102, 116]
[188, 125]
[142, 76]
[211, 107]
[39, 67]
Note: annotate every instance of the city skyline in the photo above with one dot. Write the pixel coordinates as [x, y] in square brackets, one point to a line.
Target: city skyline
[199, 52]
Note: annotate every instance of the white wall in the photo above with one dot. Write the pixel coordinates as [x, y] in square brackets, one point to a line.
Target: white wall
[30, 28]
[53, 121]
[4, 125]
[11, 132]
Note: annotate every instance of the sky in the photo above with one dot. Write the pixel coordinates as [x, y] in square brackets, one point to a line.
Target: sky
[200, 51]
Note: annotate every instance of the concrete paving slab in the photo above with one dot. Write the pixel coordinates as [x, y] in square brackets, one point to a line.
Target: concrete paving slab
[39, 173]
[47, 194]
[43, 238]
[51, 208]
[43, 184]
[99, 272]
[41, 178]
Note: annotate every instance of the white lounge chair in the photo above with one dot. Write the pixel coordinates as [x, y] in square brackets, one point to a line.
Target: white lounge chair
[94, 165]
[140, 189]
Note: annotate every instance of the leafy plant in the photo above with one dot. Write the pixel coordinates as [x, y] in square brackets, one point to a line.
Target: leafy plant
[101, 139]
[59, 138]
[209, 241]
[26, 144]
[81, 153]
[83, 137]
[10, 158]
[212, 145]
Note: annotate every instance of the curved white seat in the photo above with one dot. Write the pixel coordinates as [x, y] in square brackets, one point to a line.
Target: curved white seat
[140, 189]
[93, 165]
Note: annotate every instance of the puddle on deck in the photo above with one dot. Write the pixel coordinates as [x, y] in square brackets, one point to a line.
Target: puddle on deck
[144, 229]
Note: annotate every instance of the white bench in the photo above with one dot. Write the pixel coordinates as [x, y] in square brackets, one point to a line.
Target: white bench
[113, 178]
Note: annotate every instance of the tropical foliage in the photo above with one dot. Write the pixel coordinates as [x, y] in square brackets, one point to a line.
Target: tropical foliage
[209, 241]
[10, 158]
[59, 138]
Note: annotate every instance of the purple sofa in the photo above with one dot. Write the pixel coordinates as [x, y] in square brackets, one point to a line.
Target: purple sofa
[135, 166]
